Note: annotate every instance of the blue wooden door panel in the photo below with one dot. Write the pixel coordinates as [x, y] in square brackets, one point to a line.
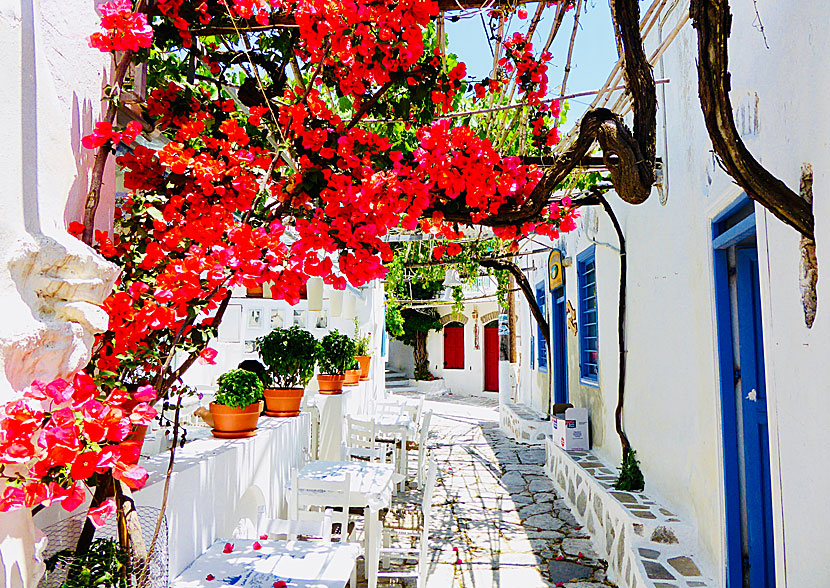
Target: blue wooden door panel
[560, 353]
[755, 428]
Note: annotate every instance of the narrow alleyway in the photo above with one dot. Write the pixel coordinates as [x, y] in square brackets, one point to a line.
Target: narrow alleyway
[494, 504]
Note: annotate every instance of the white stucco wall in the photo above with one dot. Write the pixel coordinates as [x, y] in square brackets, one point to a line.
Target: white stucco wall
[235, 330]
[672, 411]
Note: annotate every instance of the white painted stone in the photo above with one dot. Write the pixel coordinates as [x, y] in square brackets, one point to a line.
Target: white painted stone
[50, 283]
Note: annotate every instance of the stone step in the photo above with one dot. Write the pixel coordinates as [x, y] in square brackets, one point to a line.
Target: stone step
[396, 383]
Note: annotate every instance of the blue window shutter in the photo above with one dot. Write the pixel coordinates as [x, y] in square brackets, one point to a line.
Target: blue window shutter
[588, 321]
[542, 351]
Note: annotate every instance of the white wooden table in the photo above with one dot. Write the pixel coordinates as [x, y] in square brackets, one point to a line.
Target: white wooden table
[372, 485]
[300, 564]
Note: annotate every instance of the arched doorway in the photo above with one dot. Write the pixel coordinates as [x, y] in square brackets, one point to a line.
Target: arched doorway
[491, 356]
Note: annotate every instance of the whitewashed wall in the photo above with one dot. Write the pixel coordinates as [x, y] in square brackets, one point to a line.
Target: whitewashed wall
[470, 380]
[672, 413]
[238, 330]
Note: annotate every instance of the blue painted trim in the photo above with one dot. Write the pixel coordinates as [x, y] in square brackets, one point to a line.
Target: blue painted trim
[559, 334]
[735, 234]
[731, 208]
[726, 362]
[542, 351]
[582, 259]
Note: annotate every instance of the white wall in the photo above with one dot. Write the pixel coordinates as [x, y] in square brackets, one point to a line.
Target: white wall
[238, 330]
[672, 410]
[470, 380]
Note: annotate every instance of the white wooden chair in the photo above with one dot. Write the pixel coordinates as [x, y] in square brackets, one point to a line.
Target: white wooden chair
[422, 447]
[314, 501]
[361, 442]
[311, 500]
[290, 530]
[420, 553]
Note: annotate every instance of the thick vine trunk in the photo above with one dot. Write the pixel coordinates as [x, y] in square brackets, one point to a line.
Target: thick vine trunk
[628, 156]
[527, 290]
[713, 22]
[420, 353]
[618, 412]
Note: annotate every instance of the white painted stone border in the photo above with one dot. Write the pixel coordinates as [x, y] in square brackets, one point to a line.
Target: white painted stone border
[523, 424]
[635, 535]
[429, 387]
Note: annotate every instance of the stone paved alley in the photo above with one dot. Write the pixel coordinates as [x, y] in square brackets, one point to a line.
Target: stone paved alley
[493, 502]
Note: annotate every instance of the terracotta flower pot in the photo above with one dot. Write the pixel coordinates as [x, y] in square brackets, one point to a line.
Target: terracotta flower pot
[255, 292]
[238, 422]
[283, 402]
[352, 378]
[331, 384]
[365, 361]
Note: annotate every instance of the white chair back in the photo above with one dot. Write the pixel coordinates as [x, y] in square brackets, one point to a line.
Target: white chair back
[391, 407]
[309, 499]
[426, 510]
[422, 447]
[291, 529]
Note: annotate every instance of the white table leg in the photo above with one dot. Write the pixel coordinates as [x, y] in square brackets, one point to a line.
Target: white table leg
[373, 534]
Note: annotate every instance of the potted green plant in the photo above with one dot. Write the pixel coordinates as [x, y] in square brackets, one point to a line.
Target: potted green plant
[289, 356]
[361, 352]
[335, 354]
[237, 405]
[352, 374]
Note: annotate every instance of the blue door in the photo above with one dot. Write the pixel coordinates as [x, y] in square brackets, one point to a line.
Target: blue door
[759, 539]
[749, 534]
[560, 351]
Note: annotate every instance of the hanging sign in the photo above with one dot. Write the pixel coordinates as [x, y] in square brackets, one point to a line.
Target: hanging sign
[555, 270]
[571, 318]
[504, 328]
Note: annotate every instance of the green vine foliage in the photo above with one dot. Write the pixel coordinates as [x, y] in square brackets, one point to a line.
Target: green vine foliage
[238, 389]
[418, 321]
[103, 565]
[289, 356]
[631, 477]
[335, 353]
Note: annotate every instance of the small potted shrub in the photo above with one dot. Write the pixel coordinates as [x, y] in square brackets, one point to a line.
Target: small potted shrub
[289, 356]
[238, 404]
[361, 351]
[352, 374]
[335, 354]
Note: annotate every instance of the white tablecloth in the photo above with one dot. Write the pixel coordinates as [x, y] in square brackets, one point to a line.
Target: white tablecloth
[218, 483]
[371, 483]
[300, 564]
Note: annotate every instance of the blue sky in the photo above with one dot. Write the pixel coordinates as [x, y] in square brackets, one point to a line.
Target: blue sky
[595, 51]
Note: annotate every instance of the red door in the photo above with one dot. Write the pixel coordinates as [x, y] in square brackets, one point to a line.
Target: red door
[454, 347]
[491, 358]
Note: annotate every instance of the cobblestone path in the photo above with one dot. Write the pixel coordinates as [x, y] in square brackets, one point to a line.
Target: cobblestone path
[495, 505]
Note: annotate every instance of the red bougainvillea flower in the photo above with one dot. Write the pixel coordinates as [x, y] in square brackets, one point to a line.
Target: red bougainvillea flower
[124, 30]
[257, 546]
[280, 584]
[84, 465]
[101, 514]
[210, 577]
[228, 548]
[145, 394]
[134, 476]
[208, 356]
[458, 561]
[263, 537]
